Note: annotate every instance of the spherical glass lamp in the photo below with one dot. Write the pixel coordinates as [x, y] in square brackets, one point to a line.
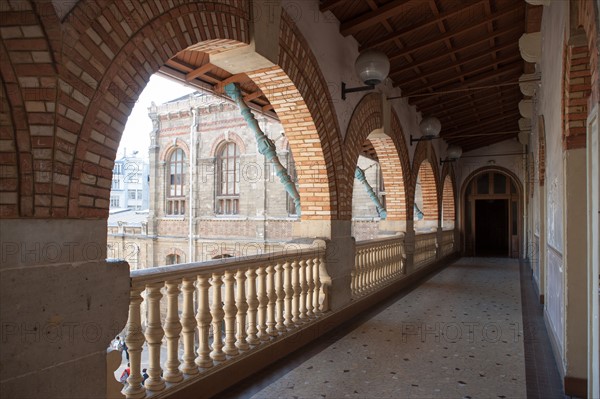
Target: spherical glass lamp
[453, 152]
[430, 127]
[372, 67]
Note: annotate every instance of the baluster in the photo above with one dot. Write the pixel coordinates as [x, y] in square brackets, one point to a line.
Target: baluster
[263, 300]
[311, 288]
[363, 277]
[230, 315]
[354, 275]
[204, 319]
[297, 289]
[217, 312]
[172, 331]
[280, 308]
[252, 308]
[303, 291]
[317, 293]
[272, 295]
[372, 265]
[242, 307]
[135, 341]
[154, 335]
[289, 293]
[189, 326]
[323, 292]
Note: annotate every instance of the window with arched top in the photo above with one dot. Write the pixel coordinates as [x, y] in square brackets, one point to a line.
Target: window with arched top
[172, 259]
[228, 179]
[176, 183]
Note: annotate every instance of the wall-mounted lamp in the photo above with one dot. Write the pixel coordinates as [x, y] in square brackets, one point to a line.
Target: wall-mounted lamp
[430, 128]
[372, 67]
[452, 154]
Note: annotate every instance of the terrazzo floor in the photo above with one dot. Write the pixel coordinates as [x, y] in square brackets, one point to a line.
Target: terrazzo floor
[457, 335]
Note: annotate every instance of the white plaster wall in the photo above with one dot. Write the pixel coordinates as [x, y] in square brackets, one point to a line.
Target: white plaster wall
[496, 153]
[548, 104]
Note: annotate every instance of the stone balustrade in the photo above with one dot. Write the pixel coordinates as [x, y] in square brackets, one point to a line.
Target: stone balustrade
[426, 246]
[377, 262]
[216, 311]
[447, 245]
[188, 320]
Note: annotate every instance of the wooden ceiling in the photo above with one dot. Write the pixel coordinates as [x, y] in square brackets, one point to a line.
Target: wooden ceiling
[457, 60]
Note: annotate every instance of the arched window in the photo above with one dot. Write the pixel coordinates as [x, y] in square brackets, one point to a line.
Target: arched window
[228, 180]
[175, 182]
[173, 259]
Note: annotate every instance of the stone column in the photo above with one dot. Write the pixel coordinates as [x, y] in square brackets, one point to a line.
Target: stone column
[339, 255]
[409, 246]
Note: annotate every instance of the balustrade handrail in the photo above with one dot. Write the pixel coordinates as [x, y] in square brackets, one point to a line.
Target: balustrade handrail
[174, 272]
[377, 241]
[424, 236]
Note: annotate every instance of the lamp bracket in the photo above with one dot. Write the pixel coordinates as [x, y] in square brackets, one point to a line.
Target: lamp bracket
[354, 89]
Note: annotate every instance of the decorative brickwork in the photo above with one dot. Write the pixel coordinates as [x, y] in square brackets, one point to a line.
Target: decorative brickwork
[448, 192]
[580, 66]
[391, 152]
[425, 167]
[71, 84]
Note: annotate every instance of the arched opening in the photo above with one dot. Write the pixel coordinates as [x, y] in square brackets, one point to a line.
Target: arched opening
[380, 152]
[492, 214]
[448, 204]
[426, 215]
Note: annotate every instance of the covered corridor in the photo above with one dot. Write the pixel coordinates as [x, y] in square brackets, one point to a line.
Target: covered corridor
[471, 330]
[483, 117]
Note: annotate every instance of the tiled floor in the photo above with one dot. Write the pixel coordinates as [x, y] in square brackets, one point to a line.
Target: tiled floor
[457, 335]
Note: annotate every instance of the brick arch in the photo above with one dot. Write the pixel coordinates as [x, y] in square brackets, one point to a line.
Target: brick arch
[425, 168]
[305, 109]
[391, 152]
[448, 192]
[28, 76]
[119, 69]
[580, 69]
[231, 136]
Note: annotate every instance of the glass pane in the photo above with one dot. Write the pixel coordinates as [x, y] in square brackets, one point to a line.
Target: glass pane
[513, 189]
[483, 184]
[499, 183]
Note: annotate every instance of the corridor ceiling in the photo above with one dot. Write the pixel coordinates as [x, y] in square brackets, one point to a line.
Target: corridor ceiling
[457, 60]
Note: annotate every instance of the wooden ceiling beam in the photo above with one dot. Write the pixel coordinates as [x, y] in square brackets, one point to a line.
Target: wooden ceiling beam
[459, 101]
[415, 27]
[238, 77]
[487, 53]
[484, 142]
[453, 33]
[455, 50]
[510, 69]
[330, 4]
[253, 96]
[436, 84]
[511, 117]
[475, 105]
[199, 71]
[469, 117]
[379, 15]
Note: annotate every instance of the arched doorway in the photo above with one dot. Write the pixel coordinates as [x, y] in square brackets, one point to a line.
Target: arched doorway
[492, 214]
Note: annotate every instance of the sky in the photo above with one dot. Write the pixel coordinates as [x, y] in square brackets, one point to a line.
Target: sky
[136, 136]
